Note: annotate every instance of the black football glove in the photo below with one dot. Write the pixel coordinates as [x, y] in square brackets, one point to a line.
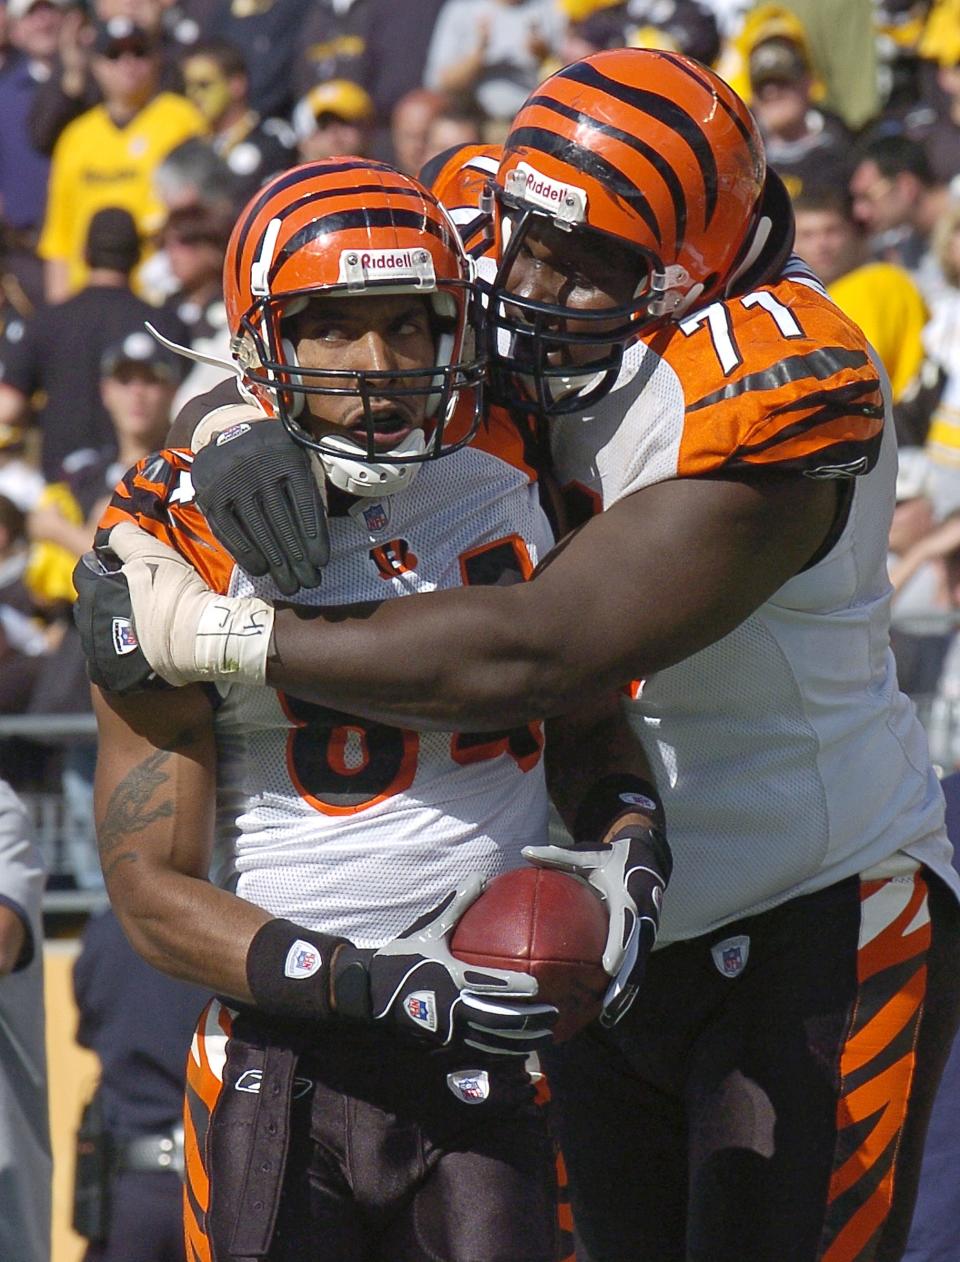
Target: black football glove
[104, 618]
[629, 873]
[415, 984]
[257, 489]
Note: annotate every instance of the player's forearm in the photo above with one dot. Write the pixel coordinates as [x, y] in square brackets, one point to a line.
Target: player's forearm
[477, 659]
[190, 929]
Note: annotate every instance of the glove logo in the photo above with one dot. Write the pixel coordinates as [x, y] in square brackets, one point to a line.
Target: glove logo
[421, 1007]
[303, 960]
[472, 1086]
[124, 637]
[730, 955]
[638, 799]
[228, 435]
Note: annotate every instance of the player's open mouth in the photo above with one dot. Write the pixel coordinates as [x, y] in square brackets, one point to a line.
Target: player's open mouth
[389, 429]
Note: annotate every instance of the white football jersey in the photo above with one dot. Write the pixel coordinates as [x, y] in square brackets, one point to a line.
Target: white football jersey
[350, 826]
[787, 756]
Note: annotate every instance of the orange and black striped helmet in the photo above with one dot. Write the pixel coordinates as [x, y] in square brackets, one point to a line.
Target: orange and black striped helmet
[350, 226]
[462, 178]
[646, 147]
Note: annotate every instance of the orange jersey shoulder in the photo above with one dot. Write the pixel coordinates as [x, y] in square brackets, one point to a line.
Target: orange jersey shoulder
[775, 379]
[157, 496]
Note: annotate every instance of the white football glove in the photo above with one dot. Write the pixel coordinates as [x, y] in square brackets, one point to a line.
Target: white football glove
[629, 873]
[187, 632]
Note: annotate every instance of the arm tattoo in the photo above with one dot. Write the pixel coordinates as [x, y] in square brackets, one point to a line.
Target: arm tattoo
[131, 809]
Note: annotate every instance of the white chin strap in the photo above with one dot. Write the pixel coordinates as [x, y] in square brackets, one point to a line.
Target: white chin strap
[363, 477]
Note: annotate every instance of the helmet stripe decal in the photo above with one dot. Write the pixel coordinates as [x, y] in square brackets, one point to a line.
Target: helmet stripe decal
[386, 217]
[731, 113]
[656, 160]
[660, 108]
[296, 176]
[591, 163]
[317, 195]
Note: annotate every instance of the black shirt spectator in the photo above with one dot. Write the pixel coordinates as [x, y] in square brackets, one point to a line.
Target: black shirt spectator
[60, 348]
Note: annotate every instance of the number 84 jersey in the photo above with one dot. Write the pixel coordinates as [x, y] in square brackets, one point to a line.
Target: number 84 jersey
[336, 822]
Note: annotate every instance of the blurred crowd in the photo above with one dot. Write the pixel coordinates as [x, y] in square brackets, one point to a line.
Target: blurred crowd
[131, 131]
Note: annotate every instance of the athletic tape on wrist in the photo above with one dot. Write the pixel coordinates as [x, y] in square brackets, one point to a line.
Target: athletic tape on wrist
[288, 970]
[233, 638]
[609, 798]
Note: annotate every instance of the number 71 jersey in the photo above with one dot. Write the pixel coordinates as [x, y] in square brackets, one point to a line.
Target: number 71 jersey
[786, 755]
[777, 380]
[336, 822]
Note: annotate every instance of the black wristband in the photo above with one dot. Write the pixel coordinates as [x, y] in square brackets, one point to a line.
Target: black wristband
[609, 798]
[288, 970]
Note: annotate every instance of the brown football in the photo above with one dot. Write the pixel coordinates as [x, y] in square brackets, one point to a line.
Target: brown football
[550, 924]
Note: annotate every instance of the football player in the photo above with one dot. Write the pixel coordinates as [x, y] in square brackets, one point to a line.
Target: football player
[355, 1089]
[725, 432]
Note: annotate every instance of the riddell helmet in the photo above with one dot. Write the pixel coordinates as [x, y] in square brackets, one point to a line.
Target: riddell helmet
[346, 227]
[462, 178]
[648, 148]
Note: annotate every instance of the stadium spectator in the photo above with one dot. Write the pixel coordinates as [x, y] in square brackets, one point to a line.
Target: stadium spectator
[58, 351]
[73, 88]
[139, 1023]
[106, 156]
[20, 480]
[493, 49]
[804, 144]
[881, 297]
[23, 641]
[896, 198]
[921, 635]
[23, 171]
[461, 122]
[193, 241]
[942, 341]
[193, 174]
[25, 1161]
[392, 67]
[332, 119]
[21, 287]
[270, 34]
[409, 124]
[216, 80]
[333, 43]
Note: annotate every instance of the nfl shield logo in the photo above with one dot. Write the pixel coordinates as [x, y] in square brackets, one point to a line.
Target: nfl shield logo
[376, 517]
[124, 637]
[730, 955]
[472, 1086]
[303, 960]
[421, 1007]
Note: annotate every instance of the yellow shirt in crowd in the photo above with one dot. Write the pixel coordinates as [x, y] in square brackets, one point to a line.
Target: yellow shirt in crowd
[98, 164]
[888, 306]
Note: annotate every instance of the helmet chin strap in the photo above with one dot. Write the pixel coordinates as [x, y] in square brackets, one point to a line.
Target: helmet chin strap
[367, 478]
